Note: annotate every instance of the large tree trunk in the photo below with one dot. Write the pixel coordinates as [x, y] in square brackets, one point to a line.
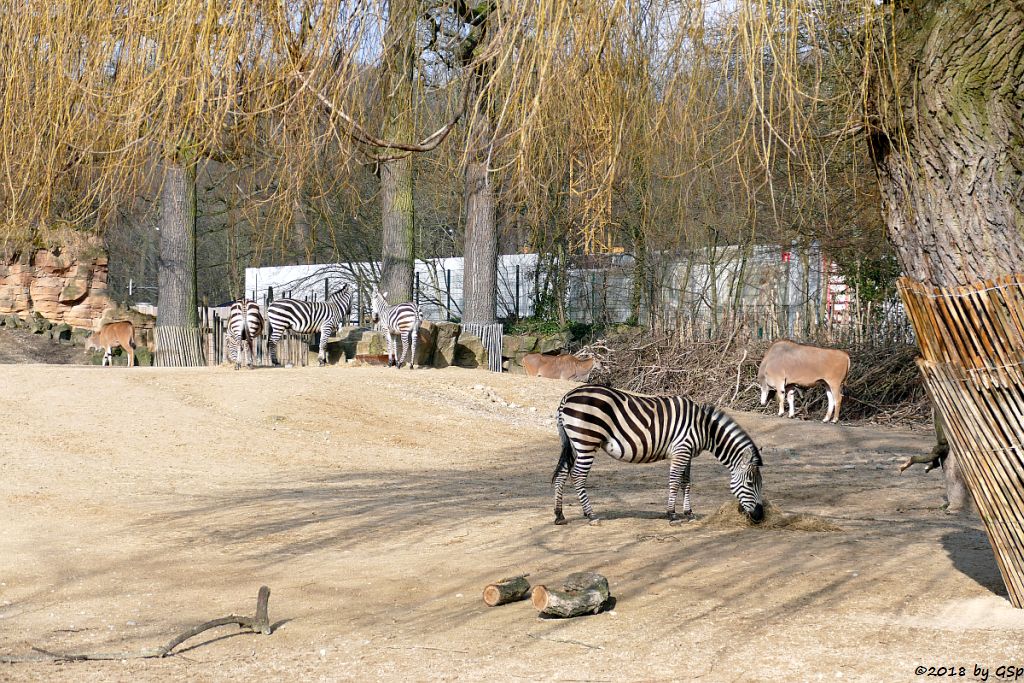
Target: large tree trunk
[479, 280]
[398, 217]
[948, 145]
[397, 175]
[177, 323]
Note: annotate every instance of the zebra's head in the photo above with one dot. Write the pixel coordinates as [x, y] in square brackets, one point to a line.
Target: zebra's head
[746, 484]
[379, 301]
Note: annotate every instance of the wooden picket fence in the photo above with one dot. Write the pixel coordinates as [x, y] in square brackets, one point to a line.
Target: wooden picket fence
[972, 346]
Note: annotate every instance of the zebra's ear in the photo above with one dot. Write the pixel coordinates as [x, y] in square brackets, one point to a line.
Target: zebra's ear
[384, 294]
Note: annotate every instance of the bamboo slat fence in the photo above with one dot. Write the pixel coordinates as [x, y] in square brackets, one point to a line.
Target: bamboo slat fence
[972, 346]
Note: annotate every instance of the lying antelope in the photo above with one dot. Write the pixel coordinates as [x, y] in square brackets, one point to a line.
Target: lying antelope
[564, 366]
[120, 333]
[788, 365]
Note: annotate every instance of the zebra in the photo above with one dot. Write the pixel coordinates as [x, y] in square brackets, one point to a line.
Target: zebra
[401, 319]
[305, 317]
[245, 323]
[640, 429]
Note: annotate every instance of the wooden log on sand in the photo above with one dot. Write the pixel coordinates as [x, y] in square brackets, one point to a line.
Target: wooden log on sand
[582, 593]
[507, 590]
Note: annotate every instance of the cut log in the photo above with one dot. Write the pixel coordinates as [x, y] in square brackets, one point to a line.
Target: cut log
[582, 593]
[507, 590]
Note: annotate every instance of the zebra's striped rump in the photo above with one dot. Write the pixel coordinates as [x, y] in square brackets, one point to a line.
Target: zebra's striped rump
[401, 319]
[641, 429]
[306, 317]
[245, 323]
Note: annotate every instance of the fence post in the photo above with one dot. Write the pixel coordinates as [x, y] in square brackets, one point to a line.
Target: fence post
[326, 289]
[517, 291]
[448, 289]
[416, 291]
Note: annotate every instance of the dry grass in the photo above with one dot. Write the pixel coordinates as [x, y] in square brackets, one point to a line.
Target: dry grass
[729, 516]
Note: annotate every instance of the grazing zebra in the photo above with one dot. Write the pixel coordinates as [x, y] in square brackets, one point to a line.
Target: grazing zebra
[245, 323]
[305, 317]
[401, 319]
[640, 429]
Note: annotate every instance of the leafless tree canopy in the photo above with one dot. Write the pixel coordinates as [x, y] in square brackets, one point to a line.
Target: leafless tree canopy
[708, 120]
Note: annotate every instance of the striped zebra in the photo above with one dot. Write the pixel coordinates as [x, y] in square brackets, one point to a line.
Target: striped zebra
[401, 319]
[639, 429]
[306, 317]
[245, 323]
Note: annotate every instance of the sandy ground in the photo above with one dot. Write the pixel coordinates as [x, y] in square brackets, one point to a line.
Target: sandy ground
[377, 504]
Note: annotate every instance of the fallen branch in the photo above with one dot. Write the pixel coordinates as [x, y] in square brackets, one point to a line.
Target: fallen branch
[507, 590]
[257, 624]
[582, 593]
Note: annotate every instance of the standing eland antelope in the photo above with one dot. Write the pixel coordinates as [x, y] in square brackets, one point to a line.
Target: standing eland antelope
[788, 365]
[120, 333]
[563, 366]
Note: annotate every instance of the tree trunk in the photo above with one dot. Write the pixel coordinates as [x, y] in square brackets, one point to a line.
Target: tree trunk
[479, 284]
[398, 217]
[948, 149]
[177, 323]
[397, 176]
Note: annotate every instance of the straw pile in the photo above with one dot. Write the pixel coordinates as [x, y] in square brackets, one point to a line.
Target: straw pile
[729, 517]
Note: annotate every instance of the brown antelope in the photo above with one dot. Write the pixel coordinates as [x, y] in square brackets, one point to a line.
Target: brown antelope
[120, 333]
[564, 366]
[788, 365]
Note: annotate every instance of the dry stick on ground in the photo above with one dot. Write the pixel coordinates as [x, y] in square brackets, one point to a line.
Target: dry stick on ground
[257, 624]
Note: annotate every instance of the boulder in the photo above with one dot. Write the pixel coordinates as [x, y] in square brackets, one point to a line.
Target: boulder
[79, 335]
[13, 322]
[371, 344]
[61, 333]
[552, 342]
[37, 324]
[444, 346]
[517, 345]
[470, 352]
[426, 343]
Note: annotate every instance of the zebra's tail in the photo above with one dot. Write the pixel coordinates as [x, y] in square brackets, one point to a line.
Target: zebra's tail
[568, 457]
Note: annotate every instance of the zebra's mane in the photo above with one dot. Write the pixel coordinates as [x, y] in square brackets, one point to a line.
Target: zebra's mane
[724, 421]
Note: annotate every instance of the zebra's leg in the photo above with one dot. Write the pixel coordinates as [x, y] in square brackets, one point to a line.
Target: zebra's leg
[392, 351]
[325, 333]
[405, 350]
[679, 476]
[272, 346]
[789, 396]
[580, 470]
[559, 481]
[252, 353]
[414, 337]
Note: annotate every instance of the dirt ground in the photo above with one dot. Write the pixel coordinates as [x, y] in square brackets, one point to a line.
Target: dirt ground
[377, 504]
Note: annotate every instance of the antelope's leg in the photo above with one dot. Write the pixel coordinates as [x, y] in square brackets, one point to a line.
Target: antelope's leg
[831, 404]
[789, 397]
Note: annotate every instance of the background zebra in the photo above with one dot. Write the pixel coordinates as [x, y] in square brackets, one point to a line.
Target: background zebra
[245, 323]
[306, 317]
[639, 429]
[401, 319]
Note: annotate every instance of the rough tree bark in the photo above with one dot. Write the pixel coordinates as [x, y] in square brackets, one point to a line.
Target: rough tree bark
[177, 322]
[480, 282]
[397, 176]
[479, 279]
[948, 145]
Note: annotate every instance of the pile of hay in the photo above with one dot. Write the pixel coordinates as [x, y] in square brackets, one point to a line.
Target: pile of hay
[729, 517]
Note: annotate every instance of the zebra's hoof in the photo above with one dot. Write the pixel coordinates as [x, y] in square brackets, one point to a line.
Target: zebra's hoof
[675, 520]
[561, 521]
[594, 521]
